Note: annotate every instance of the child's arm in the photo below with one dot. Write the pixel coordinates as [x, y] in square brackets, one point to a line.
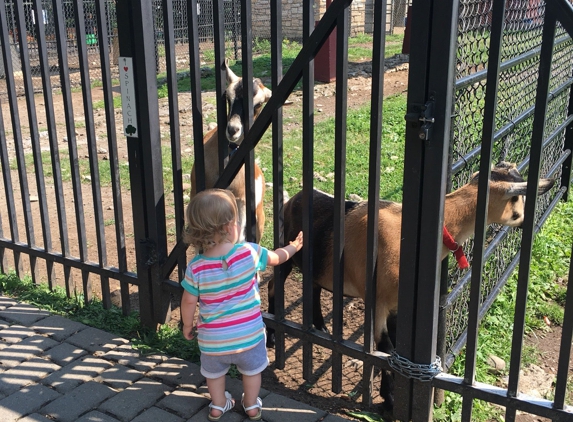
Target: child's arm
[283, 254]
[188, 306]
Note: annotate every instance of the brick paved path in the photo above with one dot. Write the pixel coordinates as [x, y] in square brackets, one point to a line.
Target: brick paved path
[55, 369]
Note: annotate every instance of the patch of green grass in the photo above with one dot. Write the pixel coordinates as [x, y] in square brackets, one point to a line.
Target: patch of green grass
[98, 105]
[358, 50]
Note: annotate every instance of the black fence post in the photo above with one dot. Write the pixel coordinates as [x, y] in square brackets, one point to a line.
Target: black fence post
[430, 95]
[136, 42]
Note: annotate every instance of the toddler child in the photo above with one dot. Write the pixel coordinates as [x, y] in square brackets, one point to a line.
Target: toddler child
[222, 277]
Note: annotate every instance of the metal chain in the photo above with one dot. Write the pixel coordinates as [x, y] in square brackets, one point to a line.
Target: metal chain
[413, 370]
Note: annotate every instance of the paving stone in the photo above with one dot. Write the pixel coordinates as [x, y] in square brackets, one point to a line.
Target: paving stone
[120, 377]
[24, 314]
[128, 356]
[4, 324]
[15, 333]
[178, 372]
[58, 327]
[64, 353]
[17, 353]
[183, 402]
[76, 373]
[96, 416]
[154, 414]
[24, 374]
[134, 399]
[6, 302]
[35, 418]
[80, 400]
[96, 341]
[279, 409]
[25, 401]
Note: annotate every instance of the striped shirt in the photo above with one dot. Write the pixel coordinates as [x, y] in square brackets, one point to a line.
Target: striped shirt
[230, 319]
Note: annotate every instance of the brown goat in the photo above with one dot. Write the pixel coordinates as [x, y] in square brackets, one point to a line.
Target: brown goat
[234, 133]
[506, 206]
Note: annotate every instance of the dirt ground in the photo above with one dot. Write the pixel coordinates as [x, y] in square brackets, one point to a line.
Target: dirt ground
[288, 381]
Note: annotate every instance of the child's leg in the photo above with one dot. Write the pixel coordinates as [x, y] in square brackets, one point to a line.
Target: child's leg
[251, 388]
[216, 387]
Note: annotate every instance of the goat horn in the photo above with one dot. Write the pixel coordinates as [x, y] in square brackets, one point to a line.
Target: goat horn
[520, 188]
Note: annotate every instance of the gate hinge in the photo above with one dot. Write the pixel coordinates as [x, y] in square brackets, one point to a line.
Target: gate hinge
[422, 114]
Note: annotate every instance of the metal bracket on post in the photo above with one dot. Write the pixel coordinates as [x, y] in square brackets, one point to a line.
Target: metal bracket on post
[422, 114]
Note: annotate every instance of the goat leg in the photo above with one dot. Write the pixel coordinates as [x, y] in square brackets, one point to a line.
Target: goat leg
[386, 345]
[286, 269]
[317, 318]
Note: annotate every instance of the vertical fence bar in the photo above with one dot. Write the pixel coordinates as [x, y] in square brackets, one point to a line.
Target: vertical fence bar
[374, 192]
[5, 160]
[338, 253]
[426, 160]
[61, 37]
[196, 107]
[436, 159]
[308, 183]
[113, 156]
[278, 182]
[9, 192]
[490, 108]
[79, 15]
[247, 66]
[565, 349]
[53, 140]
[220, 75]
[545, 59]
[145, 163]
[33, 123]
[174, 126]
[420, 20]
[566, 170]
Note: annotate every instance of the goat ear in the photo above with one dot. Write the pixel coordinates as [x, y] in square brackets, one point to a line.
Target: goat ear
[268, 93]
[231, 77]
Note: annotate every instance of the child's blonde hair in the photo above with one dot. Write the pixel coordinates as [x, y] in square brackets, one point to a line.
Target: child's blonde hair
[207, 215]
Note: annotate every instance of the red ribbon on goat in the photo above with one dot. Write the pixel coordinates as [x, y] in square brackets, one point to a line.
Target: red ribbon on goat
[457, 250]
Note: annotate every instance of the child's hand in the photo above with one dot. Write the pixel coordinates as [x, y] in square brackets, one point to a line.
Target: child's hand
[187, 332]
[297, 243]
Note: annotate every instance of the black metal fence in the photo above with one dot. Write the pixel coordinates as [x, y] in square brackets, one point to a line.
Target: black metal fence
[508, 42]
[232, 22]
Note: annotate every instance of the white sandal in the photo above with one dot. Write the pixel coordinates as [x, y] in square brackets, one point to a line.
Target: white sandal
[257, 405]
[228, 406]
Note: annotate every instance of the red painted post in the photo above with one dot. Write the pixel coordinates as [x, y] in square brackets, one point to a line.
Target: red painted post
[325, 60]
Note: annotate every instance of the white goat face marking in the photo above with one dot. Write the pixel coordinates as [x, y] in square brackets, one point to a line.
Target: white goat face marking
[234, 93]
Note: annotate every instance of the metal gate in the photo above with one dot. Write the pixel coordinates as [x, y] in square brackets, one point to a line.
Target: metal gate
[497, 75]
[445, 142]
